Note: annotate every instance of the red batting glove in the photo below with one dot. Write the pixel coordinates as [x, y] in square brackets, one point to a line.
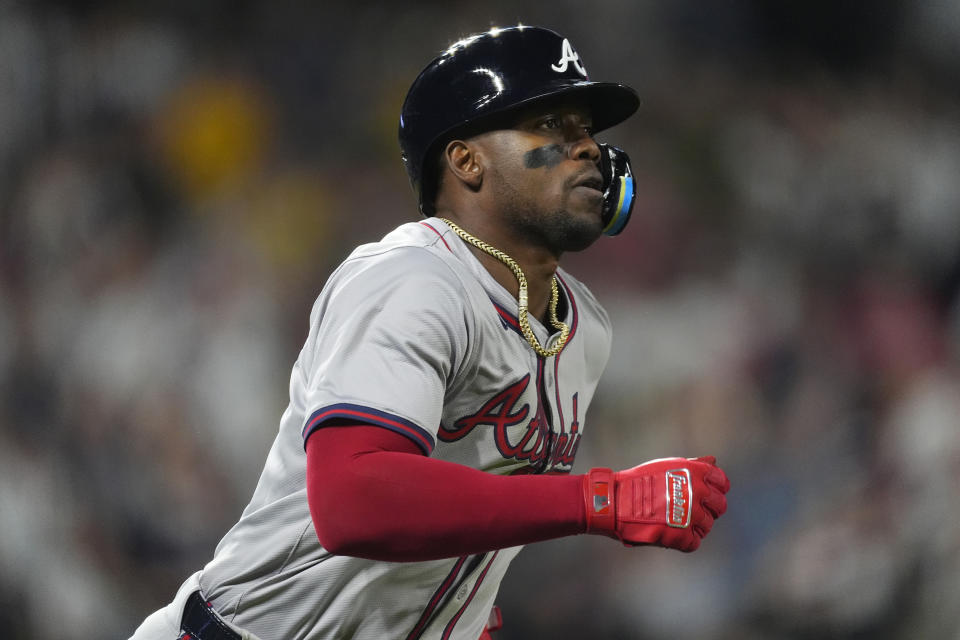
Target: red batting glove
[671, 502]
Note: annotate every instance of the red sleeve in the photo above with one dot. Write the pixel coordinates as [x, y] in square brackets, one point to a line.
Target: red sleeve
[373, 494]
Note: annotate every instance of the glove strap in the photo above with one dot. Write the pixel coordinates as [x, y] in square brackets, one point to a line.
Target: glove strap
[599, 502]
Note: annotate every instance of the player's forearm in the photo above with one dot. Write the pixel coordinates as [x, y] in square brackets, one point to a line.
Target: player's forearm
[373, 495]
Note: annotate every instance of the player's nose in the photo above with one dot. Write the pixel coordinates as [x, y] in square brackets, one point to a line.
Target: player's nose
[585, 148]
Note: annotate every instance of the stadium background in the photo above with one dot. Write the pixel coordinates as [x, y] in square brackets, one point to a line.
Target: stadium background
[178, 178]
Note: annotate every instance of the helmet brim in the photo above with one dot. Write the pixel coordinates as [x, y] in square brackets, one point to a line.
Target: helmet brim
[608, 103]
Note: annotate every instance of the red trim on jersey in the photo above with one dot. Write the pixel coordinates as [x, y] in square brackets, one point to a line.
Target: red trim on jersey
[574, 323]
[544, 428]
[556, 388]
[453, 621]
[507, 317]
[439, 234]
[435, 600]
[372, 494]
[359, 413]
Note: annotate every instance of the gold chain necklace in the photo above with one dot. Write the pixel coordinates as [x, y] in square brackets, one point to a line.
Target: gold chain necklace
[523, 312]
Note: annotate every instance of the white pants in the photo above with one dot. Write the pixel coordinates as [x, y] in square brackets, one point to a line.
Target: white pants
[164, 624]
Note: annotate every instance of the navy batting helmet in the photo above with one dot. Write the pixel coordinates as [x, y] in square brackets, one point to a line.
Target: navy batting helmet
[486, 75]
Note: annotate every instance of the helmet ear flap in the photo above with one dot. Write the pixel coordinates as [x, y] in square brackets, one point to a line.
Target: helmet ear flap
[618, 189]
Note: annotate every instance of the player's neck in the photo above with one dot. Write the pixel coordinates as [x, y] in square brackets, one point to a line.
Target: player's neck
[538, 265]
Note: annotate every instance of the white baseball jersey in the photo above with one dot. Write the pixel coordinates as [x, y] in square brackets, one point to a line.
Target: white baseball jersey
[414, 335]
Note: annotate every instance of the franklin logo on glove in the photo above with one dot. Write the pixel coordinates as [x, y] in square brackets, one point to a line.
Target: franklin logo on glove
[678, 498]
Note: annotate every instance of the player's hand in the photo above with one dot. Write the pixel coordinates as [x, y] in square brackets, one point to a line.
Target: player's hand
[671, 502]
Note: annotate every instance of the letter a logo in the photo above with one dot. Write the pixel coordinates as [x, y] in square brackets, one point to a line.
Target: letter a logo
[567, 56]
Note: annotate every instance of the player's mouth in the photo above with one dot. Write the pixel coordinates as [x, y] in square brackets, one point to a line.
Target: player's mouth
[590, 187]
[591, 181]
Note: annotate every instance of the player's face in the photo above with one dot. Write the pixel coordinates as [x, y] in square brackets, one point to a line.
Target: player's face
[547, 179]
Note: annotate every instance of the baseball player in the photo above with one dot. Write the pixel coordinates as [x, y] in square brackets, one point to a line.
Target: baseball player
[438, 403]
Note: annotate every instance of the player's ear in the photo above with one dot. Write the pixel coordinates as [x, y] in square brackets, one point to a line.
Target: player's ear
[463, 161]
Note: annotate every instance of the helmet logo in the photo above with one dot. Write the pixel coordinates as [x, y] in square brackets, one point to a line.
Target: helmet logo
[567, 56]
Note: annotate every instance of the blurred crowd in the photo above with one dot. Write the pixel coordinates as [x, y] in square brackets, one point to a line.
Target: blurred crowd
[178, 179]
